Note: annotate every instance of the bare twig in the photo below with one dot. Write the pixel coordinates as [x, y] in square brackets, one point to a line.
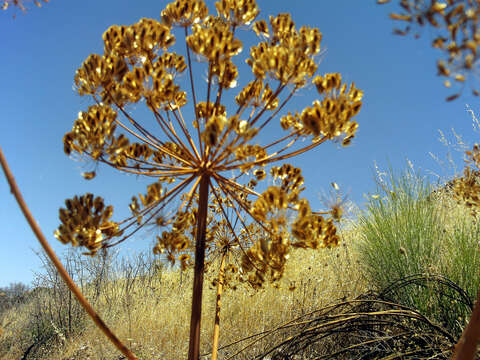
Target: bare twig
[61, 270]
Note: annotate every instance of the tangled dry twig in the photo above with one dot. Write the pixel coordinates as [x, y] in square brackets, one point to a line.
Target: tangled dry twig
[368, 327]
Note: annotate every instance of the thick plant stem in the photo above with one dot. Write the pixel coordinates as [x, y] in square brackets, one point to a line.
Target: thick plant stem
[58, 265]
[218, 305]
[194, 345]
[466, 347]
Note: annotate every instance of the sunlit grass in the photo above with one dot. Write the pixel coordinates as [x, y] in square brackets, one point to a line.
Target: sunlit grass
[409, 229]
[154, 319]
[404, 230]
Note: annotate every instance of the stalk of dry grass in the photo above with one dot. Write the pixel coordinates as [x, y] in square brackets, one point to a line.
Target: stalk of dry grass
[151, 312]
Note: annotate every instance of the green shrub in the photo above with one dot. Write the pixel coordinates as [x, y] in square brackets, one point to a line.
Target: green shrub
[405, 230]
[398, 229]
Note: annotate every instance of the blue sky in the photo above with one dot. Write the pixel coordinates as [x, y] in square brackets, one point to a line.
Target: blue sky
[402, 112]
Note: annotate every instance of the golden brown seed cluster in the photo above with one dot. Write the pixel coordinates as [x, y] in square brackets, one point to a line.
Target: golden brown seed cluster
[178, 239]
[466, 189]
[195, 141]
[132, 69]
[214, 41]
[184, 12]
[288, 56]
[257, 94]
[238, 12]
[458, 21]
[86, 222]
[332, 116]
[266, 259]
[92, 132]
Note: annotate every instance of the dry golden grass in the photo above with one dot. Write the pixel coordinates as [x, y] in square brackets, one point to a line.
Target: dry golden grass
[153, 320]
[453, 216]
[152, 317]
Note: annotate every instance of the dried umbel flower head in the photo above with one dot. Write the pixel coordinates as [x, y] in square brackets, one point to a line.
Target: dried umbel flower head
[85, 222]
[207, 156]
[136, 66]
[458, 37]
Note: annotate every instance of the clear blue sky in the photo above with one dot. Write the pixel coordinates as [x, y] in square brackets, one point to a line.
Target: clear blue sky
[403, 107]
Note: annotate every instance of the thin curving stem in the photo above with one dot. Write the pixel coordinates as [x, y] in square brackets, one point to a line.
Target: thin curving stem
[218, 305]
[56, 262]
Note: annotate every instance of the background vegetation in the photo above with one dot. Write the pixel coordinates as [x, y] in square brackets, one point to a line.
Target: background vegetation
[411, 246]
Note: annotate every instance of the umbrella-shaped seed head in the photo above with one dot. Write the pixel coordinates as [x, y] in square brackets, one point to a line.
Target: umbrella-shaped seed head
[184, 12]
[86, 222]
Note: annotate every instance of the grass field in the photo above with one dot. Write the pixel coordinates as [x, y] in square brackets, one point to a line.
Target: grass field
[404, 230]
